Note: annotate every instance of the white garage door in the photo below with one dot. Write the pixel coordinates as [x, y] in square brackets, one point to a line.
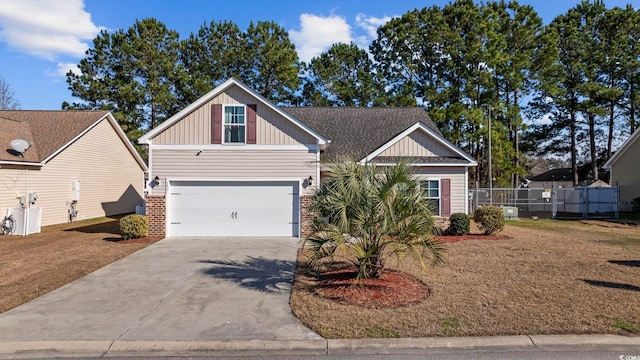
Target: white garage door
[219, 208]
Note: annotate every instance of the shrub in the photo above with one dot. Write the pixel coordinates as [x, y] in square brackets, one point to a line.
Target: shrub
[133, 226]
[635, 205]
[458, 224]
[489, 218]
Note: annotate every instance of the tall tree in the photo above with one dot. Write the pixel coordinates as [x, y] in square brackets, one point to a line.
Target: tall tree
[408, 54]
[342, 76]
[459, 62]
[559, 98]
[132, 73]
[592, 88]
[629, 29]
[273, 65]
[612, 38]
[211, 56]
[517, 52]
[7, 97]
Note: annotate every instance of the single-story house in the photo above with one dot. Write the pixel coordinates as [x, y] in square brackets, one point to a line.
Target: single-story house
[624, 171]
[74, 160]
[234, 164]
[562, 178]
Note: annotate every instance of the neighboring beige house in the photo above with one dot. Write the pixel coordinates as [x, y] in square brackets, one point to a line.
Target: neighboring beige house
[75, 155]
[235, 164]
[625, 170]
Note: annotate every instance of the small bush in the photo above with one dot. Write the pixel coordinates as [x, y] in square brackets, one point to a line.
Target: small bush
[489, 218]
[133, 227]
[635, 205]
[458, 224]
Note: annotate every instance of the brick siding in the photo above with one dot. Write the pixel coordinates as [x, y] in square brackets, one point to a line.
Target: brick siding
[306, 218]
[156, 214]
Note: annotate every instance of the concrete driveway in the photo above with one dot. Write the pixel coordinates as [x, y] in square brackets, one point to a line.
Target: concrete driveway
[195, 289]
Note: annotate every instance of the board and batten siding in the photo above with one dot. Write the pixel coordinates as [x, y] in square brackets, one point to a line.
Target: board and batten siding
[239, 163]
[418, 144]
[625, 173]
[458, 188]
[111, 181]
[271, 127]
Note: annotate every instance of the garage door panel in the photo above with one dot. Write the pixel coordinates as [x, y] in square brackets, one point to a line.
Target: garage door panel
[234, 209]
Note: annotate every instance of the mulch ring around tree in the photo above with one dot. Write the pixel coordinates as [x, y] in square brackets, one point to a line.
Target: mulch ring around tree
[394, 289]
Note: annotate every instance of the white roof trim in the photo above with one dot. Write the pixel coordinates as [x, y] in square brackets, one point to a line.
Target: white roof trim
[146, 138]
[625, 146]
[428, 131]
[8, 162]
[419, 164]
[118, 130]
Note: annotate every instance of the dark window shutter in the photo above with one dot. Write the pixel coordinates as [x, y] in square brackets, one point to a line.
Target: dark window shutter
[251, 123]
[445, 197]
[216, 124]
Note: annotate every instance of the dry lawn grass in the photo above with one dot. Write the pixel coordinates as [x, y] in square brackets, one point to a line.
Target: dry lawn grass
[36, 264]
[550, 277]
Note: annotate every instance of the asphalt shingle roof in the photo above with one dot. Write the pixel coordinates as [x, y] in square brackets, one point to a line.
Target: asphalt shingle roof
[562, 174]
[48, 130]
[358, 131]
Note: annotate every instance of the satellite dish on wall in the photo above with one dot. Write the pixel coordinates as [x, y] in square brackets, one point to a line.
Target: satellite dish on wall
[20, 145]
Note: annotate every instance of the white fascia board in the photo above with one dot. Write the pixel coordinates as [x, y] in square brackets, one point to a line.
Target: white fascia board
[234, 147]
[428, 131]
[119, 131]
[126, 141]
[7, 162]
[147, 138]
[233, 179]
[422, 164]
[625, 146]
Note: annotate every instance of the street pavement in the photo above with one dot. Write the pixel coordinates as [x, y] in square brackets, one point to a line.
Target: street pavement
[211, 296]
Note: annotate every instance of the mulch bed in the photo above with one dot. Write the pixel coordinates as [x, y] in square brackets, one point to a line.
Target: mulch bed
[394, 289]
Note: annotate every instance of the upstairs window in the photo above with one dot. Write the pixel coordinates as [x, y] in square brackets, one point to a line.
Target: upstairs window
[234, 124]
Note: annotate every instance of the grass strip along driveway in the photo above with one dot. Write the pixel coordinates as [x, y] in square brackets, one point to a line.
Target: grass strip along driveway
[33, 265]
[548, 277]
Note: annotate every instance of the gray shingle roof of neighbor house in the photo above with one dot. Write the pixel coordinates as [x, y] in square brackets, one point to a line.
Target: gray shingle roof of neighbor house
[358, 131]
[562, 174]
[48, 130]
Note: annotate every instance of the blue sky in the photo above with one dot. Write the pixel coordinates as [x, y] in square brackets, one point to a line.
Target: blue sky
[41, 39]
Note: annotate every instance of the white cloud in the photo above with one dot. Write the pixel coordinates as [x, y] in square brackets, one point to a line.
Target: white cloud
[318, 33]
[371, 24]
[63, 68]
[47, 28]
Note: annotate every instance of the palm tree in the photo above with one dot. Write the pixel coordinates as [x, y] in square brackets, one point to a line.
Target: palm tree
[368, 214]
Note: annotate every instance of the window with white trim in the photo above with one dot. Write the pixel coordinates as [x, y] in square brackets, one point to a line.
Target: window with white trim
[234, 124]
[431, 189]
